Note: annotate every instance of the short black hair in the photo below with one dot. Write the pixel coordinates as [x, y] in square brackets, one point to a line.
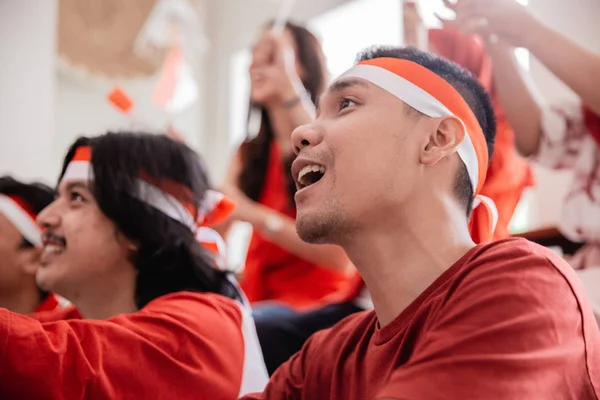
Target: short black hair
[36, 195]
[466, 84]
[169, 259]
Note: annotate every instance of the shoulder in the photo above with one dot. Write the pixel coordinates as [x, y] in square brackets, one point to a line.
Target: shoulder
[195, 323]
[517, 255]
[514, 277]
[207, 307]
[59, 314]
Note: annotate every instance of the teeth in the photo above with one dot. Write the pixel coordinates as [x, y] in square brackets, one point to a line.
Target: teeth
[52, 248]
[310, 168]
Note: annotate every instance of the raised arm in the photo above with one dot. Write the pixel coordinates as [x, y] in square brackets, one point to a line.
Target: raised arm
[507, 24]
[521, 101]
[514, 24]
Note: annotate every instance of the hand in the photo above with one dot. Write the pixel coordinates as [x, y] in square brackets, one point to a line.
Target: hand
[274, 64]
[504, 20]
[172, 133]
[414, 28]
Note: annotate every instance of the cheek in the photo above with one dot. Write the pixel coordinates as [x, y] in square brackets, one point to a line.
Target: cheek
[370, 164]
[89, 233]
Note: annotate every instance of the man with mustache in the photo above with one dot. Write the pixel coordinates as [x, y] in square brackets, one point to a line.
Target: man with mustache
[155, 317]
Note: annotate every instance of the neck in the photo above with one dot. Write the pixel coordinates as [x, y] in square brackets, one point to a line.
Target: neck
[282, 127]
[23, 301]
[399, 258]
[103, 300]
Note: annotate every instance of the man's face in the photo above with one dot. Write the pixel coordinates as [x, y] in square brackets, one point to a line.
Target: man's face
[368, 148]
[16, 263]
[82, 247]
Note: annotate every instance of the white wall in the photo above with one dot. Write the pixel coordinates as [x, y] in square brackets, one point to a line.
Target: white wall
[27, 47]
[82, 108]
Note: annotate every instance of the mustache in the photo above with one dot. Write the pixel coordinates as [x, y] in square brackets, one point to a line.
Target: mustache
[49, 237]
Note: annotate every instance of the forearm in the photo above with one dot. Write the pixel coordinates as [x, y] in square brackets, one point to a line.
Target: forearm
[574, 65]
[329, 256]
[518, 96]
[299, 107]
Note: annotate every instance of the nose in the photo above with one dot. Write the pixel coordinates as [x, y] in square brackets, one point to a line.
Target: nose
[49, 218]
[305, 136]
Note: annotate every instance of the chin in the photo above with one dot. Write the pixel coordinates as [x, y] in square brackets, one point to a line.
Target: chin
[47, 277]
[260, 97]
[43, 281]
[315, 229]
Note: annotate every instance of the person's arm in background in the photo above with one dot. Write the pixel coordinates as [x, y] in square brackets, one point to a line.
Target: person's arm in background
[513, 25]
[278, 228]
[295, 105]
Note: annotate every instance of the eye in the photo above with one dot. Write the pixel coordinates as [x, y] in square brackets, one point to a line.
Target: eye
[345, 103]
[76, 197]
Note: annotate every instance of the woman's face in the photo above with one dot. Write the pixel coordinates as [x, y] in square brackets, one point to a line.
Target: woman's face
[267, 69]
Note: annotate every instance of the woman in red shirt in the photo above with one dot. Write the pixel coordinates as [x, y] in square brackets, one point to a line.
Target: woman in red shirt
[287, 75]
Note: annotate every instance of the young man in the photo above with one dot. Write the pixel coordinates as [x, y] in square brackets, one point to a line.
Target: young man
[21, 246]
[401, 145]
[155, 317]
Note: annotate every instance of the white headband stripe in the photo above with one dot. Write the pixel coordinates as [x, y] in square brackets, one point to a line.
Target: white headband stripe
[78, 171]
[165, 203]
[21, 220]
[489, 204]
[421, 101]
[210, 202]
[146, 192]
[209, 235]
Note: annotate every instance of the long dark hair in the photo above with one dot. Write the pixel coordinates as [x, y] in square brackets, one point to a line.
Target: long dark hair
[255, 152]
[168, 259]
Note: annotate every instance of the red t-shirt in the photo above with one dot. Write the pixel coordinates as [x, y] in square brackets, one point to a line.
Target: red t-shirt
[179, 346]
[507, 321]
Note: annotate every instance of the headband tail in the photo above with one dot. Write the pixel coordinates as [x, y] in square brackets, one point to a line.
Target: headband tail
[488, 214]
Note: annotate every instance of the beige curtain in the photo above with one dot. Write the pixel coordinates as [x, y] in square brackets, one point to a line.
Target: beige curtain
[98, 36]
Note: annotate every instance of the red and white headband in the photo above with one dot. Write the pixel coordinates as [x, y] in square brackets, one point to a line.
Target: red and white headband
[171, 199]
[431, 95]
[18, 212]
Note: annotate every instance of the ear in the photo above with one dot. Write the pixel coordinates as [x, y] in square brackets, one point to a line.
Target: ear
[29, 260]
[131, 246]
[446, 135]
[127, 244]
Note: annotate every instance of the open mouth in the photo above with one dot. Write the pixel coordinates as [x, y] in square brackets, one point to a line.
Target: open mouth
[309, 175]
[53, 246]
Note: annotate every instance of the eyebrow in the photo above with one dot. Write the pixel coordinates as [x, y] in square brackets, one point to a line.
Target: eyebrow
[74, 185]
[340, 85]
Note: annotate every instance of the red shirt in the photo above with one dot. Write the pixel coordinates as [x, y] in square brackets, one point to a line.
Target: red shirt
[273, 273]
[179, 346]
[50, 303]
[507, 321]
